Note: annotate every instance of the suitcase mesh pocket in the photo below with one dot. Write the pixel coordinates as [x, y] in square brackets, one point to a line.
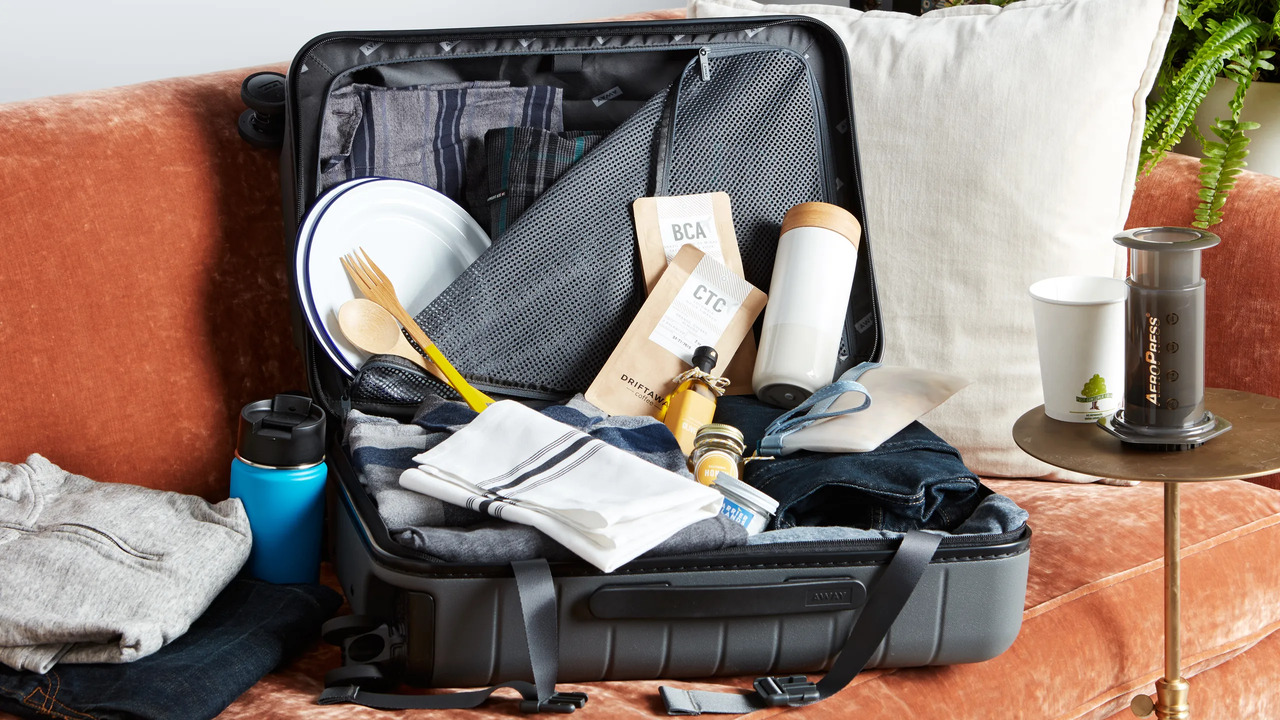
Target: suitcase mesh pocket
[541, 310]
[768, 159]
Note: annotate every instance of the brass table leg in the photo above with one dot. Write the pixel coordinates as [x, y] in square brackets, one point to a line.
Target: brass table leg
[1170, 702]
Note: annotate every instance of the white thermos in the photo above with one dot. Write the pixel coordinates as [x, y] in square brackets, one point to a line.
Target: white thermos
[808, 300]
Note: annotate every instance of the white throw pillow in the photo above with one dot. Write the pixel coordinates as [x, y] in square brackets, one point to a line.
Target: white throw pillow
[998, 147]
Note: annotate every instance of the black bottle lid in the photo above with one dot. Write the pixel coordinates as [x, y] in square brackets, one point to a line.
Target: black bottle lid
[284, 432]
[705, 357]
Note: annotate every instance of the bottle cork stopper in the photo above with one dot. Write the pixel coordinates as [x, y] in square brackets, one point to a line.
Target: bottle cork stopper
[823, 215]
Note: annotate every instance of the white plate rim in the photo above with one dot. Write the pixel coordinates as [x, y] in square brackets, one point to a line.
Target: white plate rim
[475, 237]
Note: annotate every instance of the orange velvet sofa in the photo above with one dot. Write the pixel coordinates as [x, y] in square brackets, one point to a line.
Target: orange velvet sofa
[143, 301]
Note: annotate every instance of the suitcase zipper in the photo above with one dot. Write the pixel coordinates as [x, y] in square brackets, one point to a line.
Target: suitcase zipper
[386, 551]
[572, 31]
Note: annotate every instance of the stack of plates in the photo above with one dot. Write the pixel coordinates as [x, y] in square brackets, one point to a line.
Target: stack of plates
[421, 239]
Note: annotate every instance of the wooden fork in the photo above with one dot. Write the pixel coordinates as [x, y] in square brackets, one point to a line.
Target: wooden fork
[377, 287]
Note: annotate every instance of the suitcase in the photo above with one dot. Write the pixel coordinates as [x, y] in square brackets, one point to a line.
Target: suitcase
[760, 108]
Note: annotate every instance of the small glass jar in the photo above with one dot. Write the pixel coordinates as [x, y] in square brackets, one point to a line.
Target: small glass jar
[717, 448]
[745, 505]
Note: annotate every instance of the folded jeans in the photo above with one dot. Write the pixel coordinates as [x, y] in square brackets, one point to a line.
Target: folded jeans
[912, 481]
[250, 628]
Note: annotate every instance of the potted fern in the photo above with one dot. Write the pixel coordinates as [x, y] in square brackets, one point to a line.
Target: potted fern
[1229, 39]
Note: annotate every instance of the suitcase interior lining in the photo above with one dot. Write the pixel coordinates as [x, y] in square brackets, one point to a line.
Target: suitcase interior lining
[539, 313]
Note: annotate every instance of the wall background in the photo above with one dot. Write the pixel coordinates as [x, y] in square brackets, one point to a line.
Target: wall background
[57, 47]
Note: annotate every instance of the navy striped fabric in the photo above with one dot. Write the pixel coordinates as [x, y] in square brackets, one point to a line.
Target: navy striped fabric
[432, 134]
[523, 163]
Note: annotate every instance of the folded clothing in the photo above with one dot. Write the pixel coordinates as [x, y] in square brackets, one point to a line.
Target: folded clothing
[606, 505]
[105, 572]
[431, 134]
[382, 449]
[912, 481]
[250, 628]
[523, 163]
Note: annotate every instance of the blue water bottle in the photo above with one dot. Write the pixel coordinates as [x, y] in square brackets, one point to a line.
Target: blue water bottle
[279, 474]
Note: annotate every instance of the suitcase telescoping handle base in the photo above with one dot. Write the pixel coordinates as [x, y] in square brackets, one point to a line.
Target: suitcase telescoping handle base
[885, 602]
[537, 593]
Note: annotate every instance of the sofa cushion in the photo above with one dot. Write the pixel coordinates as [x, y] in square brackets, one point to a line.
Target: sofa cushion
[143, 296]
[998, 147]
[1092, 633]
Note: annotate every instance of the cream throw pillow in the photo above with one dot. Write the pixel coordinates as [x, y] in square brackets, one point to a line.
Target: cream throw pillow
[998, 147]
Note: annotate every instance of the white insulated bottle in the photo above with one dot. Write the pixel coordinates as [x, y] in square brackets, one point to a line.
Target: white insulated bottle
[808, 299]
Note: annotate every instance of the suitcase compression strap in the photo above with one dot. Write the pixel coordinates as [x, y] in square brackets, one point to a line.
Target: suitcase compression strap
[537, 594]
[891, 593]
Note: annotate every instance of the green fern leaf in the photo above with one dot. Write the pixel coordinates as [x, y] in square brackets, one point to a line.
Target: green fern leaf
[1227, 40]
[1191, 16]
[1169, 119]
[1218, 169]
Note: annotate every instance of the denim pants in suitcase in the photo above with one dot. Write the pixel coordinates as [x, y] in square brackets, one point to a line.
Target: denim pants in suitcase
[912, 481]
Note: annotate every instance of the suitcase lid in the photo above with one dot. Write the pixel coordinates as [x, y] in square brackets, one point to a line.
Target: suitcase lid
[336, 60]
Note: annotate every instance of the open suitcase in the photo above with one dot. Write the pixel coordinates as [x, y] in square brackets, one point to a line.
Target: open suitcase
[756, 107]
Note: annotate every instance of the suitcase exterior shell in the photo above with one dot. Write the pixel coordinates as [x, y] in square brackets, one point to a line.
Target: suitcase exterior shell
[783, 609]
[462, 627]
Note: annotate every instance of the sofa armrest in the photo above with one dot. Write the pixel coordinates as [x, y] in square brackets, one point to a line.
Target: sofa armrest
[1242, 293]
[143, 294]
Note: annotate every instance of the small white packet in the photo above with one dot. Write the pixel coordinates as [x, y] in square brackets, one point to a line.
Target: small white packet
[897, 397]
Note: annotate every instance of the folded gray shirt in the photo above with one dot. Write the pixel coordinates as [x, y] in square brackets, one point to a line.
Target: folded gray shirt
[105, 572]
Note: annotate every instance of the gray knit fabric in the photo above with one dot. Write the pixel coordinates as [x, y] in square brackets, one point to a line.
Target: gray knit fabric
[105, 572]
[383, 448]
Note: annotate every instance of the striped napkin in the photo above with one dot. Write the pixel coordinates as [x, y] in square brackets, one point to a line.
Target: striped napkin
[604, 504]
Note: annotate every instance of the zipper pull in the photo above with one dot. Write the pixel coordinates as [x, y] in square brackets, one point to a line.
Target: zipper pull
[704, 63]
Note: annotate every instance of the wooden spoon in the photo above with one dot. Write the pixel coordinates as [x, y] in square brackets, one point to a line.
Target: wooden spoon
[374, 330]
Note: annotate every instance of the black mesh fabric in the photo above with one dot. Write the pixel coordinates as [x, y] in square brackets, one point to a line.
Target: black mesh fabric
[385, 380]
[753, 131]
[542, 309]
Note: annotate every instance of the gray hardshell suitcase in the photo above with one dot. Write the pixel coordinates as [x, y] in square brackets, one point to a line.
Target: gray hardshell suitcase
[759, 108]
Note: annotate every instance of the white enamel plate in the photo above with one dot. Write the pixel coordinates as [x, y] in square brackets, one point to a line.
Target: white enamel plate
[421, 239]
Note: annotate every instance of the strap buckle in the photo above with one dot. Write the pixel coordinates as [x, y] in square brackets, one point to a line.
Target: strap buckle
[561, 702]
[786, 691]
[338, 695]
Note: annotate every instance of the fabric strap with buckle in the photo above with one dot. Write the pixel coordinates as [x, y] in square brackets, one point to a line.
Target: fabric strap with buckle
[885, 602]
[537, 593]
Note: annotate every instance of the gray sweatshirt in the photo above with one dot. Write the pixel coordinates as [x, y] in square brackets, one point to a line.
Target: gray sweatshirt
[105, 572]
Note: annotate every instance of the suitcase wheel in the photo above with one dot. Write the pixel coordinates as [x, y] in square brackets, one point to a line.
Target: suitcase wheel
[262, 125]
[339, 629]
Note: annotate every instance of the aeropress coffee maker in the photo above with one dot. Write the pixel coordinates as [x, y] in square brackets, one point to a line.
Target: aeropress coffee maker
[1164, 348]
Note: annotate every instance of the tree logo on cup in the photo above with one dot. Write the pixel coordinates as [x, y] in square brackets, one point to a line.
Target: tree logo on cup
[1093, 391]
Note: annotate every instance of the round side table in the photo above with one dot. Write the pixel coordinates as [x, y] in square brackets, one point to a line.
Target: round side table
[1250, 449]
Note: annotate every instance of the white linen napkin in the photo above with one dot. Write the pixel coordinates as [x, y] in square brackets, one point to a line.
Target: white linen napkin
[604, 504]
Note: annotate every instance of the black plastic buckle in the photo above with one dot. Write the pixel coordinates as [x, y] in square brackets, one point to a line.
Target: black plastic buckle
[787, 691]
[561, 702]
[338, 695]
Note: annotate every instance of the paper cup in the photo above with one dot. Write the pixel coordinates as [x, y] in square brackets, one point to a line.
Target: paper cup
[1080, 332]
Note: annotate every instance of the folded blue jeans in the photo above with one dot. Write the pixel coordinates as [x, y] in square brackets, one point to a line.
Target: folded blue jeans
[250, 628]
[912, 481]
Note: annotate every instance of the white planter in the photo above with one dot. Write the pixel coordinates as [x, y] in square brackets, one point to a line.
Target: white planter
[1261, 105]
